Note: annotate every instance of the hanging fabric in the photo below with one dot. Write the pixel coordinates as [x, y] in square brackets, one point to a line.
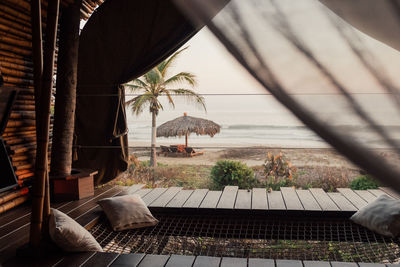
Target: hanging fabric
[121, 41]
[341, 83]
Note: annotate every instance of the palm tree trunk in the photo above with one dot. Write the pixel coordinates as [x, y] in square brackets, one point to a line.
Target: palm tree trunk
[61, 155]
[153, 156]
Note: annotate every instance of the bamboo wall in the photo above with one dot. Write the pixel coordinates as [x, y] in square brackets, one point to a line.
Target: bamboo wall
[16, 68]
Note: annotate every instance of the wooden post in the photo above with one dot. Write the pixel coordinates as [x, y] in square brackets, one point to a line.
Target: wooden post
[186, 139]
[42, 124]
[67, 69]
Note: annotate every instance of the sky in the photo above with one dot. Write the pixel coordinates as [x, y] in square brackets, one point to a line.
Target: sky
[218, 72]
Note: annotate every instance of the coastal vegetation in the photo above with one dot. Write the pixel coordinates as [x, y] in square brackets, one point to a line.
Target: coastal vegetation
[159, 82]
[230, 168]
[229, 172]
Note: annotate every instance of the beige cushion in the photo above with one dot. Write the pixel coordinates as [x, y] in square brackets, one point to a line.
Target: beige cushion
[381, 216]
[70, 235]
[127, 212]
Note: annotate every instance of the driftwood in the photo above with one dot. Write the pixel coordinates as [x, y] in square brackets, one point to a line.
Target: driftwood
[18, 16]
[7, 30]
[17, 81]
[16, 66]
[13, 203]
[19, 134]
[21, 123]
[24, 7]
[21, 172]
[26, 175]
[16, 50]
[26, 97]
[15, 25]
[5, 57]
[17, 73]
[43, 123]
[21, 140]
[16, 42]
[14, 194]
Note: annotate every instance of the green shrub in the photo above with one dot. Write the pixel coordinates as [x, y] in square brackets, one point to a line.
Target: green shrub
[275, 183]
[229, 172]
[364, 182]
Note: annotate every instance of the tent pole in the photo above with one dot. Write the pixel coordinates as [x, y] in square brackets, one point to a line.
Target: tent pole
[186, 139]
[42, 125]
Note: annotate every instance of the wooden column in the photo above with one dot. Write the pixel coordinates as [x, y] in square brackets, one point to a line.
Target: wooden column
[67, 69]
[43, 122]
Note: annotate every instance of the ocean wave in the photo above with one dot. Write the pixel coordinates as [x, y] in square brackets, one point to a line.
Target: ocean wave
[252, 126]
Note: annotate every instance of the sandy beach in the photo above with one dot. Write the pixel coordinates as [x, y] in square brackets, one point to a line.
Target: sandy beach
[256, 155]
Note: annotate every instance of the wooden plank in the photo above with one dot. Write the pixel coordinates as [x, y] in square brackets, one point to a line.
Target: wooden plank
[151, 260]
[324, 201]
[101, 259]
[8, 228]
[51, 258]
[20, 236]
[196, 198]
[180, 199]
[291, 199]
[133, 189]
[316, 264]
[210, 201]
[307, 200]
[343, 264]
[342, 202]
[143, 192]
[378, 192]
[243, 200]
[75, 259]
[261, 262]
[288, 263]
[361, 264]
[390, 192]
[131, 260]
[153, 195]
[204, 261]
[163, 200]
[233, 262]
[367, 196]
[180, 261]
[259, 199]
[355, 199]
[275, 201]
[228, 198]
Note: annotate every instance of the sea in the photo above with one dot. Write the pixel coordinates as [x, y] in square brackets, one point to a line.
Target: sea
[259, 120]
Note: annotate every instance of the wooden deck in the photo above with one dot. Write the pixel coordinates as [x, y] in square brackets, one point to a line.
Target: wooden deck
[14, 225]
[314, 200]
[151, 260]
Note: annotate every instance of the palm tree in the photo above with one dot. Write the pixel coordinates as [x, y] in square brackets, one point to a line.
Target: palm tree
[155, 83]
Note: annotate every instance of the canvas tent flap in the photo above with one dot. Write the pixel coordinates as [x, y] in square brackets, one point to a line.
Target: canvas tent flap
[378, 19]
[121, 41]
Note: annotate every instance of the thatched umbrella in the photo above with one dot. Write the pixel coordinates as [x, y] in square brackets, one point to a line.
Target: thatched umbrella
[185, 125]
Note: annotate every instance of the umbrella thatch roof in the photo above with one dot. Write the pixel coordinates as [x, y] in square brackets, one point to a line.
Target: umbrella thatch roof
[185, 125]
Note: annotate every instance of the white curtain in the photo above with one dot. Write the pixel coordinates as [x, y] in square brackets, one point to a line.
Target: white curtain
[341, 83]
